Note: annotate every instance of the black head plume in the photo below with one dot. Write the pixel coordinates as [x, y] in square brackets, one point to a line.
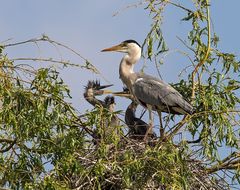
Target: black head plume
[131, 41]
[93, 84]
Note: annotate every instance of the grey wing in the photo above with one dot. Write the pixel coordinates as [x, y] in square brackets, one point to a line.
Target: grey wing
[162, 96]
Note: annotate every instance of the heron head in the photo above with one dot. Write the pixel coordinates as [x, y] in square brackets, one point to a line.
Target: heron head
[109, 100]
[110, 103]
[94, 88]
[127, 46]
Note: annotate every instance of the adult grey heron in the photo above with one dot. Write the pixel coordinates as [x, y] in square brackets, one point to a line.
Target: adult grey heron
[152, 93]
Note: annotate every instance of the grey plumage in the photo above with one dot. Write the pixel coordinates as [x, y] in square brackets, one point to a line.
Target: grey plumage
[109, 103]
[92, 90]
[152, 93]
[138, 127]
[162, 96]
[148, 90]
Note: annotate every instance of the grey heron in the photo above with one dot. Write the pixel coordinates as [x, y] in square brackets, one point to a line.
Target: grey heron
[94, 89]
[137, 126]
[151, 92]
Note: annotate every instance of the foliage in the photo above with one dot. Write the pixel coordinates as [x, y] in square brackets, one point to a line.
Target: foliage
[46, 144]
[212, 87]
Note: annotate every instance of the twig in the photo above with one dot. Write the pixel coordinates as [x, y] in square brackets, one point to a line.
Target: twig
[10, 146]
[47, 39]
[46, 60]
[177, 128]
[207, 52]
[180, 6]
[135, 5]
[87, 65]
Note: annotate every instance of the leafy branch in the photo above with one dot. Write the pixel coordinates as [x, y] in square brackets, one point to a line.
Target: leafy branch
[200, 64]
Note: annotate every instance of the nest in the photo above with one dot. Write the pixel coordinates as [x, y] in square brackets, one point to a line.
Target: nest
[133, 164]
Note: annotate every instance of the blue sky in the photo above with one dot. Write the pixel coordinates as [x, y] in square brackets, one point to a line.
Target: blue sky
[89, 26]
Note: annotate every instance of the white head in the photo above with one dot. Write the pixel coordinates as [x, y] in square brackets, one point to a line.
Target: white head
[131, 47]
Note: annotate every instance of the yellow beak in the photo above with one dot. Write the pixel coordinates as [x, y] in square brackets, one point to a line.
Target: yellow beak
[107, 92]
[123, 94]
[118, 47]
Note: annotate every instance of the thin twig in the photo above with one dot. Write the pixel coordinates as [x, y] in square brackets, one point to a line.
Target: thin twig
[180, 6]
[46, 60]
[207, 52]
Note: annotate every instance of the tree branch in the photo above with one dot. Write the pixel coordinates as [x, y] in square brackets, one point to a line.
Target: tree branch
[232, 161]
[207, 52]
[12, 143]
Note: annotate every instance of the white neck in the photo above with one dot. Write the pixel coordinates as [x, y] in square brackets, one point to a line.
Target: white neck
[126, 67]
[127, 64]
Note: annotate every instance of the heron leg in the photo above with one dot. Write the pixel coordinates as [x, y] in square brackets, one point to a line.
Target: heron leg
[149, 130]
[161, 125]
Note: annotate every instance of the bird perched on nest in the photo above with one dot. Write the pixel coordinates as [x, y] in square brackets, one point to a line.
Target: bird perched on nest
[137, 126]
[94, 89]
[152, 93]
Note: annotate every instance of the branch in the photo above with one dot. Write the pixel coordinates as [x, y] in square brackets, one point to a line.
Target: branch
[187, 118]
[180, 6]
[135, 5]
[231, 162]
[46, 60]
[177, 128]
[195, 141]
[6, 140]
[207, 52]
[45, 38]
[10, 146]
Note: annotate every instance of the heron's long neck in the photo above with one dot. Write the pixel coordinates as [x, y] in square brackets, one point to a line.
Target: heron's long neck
[126, 68]
[89, 96]
[130, 114]
[93, 101]
[111, 108]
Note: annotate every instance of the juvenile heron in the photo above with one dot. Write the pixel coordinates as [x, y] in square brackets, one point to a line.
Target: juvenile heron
[152, 93]
[137, 127]
[94, 89]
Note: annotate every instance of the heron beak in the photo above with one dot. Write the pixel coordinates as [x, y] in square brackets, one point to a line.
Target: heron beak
[105, 86]
[122, 94]
[101, 92]
[107, 92]
[118, 47]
